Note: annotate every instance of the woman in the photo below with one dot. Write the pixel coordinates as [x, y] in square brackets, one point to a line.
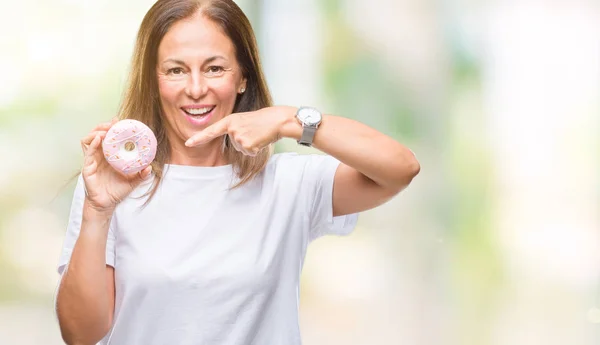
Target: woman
[206, 246]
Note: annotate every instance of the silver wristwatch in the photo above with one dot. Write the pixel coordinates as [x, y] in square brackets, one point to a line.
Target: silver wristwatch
[310, 118]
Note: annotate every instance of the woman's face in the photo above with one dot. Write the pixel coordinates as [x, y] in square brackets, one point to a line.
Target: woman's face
[198, 76]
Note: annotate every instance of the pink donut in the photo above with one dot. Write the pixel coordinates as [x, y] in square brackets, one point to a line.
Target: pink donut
[129, 146]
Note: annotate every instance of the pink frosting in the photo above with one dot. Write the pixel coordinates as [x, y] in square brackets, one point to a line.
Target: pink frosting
[129, 131]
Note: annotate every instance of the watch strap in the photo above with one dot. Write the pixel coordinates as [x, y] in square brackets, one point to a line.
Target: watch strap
[308, 135]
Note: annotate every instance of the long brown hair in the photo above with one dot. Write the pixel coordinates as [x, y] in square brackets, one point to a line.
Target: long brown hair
[141, 99]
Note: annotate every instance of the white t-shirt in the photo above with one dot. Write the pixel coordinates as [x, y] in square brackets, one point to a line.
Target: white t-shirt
[201, 264]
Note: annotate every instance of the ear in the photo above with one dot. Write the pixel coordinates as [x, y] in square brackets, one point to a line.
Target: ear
[242, 87]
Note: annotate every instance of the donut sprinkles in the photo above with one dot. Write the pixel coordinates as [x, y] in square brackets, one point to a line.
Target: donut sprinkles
[129, 146]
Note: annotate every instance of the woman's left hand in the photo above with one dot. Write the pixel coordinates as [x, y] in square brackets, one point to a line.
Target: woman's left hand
[249, 132]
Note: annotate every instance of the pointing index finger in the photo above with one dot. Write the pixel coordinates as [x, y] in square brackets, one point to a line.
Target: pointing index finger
[209, 133]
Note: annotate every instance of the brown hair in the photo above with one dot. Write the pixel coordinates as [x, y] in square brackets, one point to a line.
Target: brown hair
[141, 100]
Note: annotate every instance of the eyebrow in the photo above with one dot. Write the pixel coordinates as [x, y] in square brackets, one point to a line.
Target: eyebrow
[209, 60]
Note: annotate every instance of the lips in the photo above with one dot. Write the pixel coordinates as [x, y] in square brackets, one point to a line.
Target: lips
[199, 110]
[198, 115]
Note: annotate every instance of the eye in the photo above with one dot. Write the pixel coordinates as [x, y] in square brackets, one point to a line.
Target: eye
[175, 71]
[215, 70]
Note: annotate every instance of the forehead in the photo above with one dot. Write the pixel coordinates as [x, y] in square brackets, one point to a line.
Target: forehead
[196, 37]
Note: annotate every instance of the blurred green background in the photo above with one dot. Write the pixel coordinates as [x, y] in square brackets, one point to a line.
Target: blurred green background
[495, 242]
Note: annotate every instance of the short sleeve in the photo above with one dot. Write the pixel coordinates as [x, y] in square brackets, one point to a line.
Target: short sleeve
[318, 176]
[74, 226]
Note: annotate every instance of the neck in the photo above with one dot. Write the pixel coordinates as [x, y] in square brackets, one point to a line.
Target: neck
[209, 154]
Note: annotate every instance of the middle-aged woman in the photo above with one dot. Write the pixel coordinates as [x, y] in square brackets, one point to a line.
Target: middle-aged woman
[206, 246]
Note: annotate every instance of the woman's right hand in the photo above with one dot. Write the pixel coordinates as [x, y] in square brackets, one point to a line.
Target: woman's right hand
[105, 186]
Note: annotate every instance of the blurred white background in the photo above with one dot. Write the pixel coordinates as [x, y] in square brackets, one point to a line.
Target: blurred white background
[496, 242]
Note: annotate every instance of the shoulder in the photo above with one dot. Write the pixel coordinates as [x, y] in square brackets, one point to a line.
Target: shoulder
[289, 160]
[293, 166]
[284, 158]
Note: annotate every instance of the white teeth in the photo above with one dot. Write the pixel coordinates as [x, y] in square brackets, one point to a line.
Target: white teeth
[198, 111]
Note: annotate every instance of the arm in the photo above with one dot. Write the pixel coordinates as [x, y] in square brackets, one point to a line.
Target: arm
[373, 169]
[85, 299]
[374, 166]
[86, 295]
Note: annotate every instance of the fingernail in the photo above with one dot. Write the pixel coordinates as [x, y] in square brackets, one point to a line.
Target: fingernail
[189, 143]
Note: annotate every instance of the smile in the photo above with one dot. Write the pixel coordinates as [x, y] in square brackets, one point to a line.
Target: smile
[198, 111]
[198, 115]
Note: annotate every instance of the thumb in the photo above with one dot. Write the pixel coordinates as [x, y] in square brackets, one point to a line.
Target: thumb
[141, 176]
[145, 174]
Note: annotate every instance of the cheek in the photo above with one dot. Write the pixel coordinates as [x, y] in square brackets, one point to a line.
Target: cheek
[168, 90]
[225, 89]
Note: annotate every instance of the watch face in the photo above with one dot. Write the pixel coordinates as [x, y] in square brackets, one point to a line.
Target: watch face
[309, 116]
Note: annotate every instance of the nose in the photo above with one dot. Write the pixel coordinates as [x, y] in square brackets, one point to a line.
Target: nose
[196, 86]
